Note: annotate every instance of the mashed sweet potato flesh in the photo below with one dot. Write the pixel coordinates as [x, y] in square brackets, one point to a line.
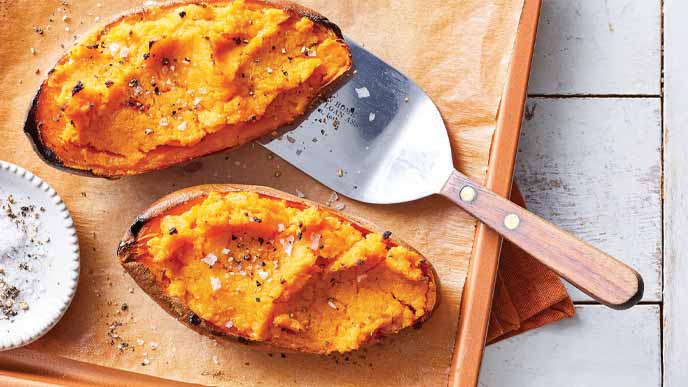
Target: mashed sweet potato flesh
[169, 84]
[300, 278]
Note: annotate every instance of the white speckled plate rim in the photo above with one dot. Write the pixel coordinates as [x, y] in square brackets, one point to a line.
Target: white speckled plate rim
[47, 319]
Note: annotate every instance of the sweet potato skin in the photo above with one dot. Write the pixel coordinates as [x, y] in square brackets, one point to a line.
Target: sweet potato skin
[146, 280]
[33, 126]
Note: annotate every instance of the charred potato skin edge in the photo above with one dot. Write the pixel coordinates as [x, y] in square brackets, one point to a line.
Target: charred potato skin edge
[32, 127]
[146, 281]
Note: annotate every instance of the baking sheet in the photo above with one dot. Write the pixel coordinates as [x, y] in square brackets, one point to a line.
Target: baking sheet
[457, 51]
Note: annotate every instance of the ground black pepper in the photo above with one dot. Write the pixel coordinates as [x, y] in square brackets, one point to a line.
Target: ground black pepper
[194, 319]
[77, 88]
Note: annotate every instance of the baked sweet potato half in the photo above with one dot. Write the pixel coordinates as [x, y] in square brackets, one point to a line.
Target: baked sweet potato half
[267, 268]
[168, 84]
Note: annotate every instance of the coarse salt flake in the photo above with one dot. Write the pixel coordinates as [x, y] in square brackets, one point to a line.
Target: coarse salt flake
[215, 283]
[114, 47]
[182, 126]
[315, 241]
[210, 259]
[362, 92]
[263, 274]
[124, 52]
[226, 251]
[229, 324]
[287, 245]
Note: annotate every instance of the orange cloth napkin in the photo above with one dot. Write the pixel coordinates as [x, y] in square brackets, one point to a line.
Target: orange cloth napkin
[527, 294]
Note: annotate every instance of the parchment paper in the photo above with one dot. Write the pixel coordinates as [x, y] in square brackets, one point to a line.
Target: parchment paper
[458, 51]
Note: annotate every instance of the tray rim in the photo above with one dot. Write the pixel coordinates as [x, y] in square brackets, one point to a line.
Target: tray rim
[476, 302]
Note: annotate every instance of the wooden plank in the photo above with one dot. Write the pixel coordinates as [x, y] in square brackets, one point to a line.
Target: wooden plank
[598, 347]
[675, 189]
[598, 47]
[593, 166]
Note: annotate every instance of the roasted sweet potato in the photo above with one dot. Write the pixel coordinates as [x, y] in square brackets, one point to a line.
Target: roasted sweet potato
[165, 85]
[258, 265]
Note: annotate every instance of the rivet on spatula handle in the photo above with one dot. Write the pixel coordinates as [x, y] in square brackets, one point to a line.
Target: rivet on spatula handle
[602, 277]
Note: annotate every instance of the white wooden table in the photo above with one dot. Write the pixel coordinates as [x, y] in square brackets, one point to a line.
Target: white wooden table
[604, 153]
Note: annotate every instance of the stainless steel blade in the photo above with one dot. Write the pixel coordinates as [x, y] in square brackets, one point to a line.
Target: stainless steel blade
[378, 139]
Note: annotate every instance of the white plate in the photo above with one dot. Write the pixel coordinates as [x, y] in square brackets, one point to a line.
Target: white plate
[63, 254]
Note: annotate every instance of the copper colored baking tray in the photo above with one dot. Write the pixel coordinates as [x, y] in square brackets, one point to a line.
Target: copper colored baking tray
[476, 302]
[31, 368]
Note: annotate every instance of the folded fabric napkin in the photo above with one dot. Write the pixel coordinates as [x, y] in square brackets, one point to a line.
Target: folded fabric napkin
[527, 294]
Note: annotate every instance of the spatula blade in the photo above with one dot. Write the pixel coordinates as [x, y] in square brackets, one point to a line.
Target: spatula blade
[378, 139]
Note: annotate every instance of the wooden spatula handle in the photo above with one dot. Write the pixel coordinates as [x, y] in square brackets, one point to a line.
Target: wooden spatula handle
[599, 275]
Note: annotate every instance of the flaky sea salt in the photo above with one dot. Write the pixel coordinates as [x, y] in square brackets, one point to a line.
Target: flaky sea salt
[215, 283]
[210, 259]
[362, 92]
[315, 241]
[287, 244]
[114, 48]
[24, 255]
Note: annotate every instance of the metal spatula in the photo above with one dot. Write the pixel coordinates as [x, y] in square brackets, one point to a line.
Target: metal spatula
[380, 139]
